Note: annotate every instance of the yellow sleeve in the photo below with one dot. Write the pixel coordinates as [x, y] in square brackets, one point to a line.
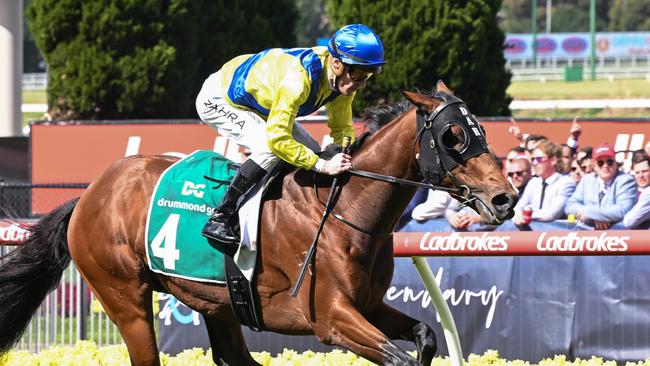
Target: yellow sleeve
[292, 92]
[339, 113]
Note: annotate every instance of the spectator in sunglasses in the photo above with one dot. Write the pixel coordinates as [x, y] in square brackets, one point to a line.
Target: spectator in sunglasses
[604, 197]
[576, 172]
[519, 173]
[639, 216]
[584, 159]
[547, 192]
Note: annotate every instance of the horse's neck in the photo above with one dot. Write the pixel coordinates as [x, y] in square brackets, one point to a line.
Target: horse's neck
[389, 152]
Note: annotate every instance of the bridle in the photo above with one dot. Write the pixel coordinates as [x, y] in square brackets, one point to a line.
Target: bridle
[437, 158]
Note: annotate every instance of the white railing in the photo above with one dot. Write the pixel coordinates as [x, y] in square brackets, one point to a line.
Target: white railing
[35, 81]
[552, 68]
[60, 320]
[606, 73]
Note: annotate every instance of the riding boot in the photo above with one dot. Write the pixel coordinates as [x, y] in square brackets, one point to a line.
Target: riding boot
[221, 226]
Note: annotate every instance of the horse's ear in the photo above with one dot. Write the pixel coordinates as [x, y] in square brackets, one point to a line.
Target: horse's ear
[441, 87]
[423, 102]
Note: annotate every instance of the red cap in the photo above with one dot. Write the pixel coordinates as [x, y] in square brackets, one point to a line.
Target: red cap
[602, 151]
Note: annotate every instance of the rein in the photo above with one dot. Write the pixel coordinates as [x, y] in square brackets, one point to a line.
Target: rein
[462, 191]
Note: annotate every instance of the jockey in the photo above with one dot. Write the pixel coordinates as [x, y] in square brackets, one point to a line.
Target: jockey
[255, 99]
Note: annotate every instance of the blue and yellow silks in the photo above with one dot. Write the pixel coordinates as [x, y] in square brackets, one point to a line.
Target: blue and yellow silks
[281, 84]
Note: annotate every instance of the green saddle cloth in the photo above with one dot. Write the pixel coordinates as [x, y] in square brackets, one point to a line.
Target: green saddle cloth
[181, 204]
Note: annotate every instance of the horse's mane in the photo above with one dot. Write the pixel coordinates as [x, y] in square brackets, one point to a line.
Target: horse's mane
[379, 116]
[374, 119]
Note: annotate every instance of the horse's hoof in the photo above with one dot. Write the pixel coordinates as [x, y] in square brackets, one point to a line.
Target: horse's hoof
[425, 339]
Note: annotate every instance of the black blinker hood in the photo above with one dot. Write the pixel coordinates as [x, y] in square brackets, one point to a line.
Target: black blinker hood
[436, 159]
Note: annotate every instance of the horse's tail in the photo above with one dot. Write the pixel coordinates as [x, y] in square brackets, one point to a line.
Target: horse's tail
[31, 271]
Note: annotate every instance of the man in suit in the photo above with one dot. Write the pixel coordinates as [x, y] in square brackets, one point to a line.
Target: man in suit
[603, 197]
[639, 216]
[547, 192]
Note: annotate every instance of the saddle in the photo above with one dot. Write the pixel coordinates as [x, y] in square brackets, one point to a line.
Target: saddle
[244, 298]
[243, 294]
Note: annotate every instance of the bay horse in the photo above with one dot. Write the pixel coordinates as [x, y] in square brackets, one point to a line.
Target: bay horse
[341, 303]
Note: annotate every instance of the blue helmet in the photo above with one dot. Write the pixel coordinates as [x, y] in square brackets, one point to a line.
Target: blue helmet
[357, 44]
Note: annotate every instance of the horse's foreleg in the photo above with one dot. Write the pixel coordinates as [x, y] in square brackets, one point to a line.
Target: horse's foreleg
[228, 344]
[347, 328]
[397, 325]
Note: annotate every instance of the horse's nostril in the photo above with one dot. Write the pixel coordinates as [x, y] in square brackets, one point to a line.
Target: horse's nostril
[501, 200]
[504, 203]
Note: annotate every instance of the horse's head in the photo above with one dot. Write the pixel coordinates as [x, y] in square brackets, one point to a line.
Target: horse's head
[452, 151]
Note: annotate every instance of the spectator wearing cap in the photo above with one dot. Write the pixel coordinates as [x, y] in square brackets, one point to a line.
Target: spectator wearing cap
[639, 216]
[519, 173]
[547, 192]
[603, 197]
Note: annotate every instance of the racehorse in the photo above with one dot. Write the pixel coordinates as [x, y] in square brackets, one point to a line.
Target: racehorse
[341, 304]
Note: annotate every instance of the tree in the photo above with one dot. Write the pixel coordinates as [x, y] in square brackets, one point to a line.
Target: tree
[146, 58]
[426, 40]
[630, 15]
[515, 16]
[312, 22]
[566, 15]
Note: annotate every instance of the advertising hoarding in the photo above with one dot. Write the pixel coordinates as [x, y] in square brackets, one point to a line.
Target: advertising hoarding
[79, 153]
[577, 45]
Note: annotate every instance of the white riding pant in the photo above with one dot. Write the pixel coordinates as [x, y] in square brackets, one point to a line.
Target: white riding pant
[242, 126]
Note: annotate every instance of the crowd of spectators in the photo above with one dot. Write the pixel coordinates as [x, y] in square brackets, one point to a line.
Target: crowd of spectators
[588, 185]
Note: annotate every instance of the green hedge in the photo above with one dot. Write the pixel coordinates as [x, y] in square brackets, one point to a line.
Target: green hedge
[146, 58]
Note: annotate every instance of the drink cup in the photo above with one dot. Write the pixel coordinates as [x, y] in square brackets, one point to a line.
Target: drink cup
[527, 214]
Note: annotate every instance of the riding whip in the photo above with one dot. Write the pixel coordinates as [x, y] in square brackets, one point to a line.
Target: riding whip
[328, 208]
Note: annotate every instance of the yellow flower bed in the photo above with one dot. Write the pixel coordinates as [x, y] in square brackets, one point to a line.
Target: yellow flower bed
[88, 354]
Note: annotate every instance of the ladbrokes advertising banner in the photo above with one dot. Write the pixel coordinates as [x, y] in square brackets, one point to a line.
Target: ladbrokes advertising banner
[12, 233]
[79, 153]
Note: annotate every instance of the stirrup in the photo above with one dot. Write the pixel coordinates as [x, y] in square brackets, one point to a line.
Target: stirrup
[209, 231]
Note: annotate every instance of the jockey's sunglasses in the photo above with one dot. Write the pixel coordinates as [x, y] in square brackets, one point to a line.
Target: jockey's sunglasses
[360, 74]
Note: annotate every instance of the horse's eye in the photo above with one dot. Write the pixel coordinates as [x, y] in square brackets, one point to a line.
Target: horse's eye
[453, 138]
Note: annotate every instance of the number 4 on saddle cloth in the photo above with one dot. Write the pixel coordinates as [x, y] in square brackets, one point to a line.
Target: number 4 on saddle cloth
[181, 204]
